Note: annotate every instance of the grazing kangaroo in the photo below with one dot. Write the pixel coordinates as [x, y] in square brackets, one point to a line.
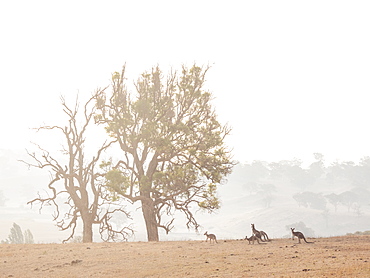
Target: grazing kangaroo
[299, 235]
[252, 238]
[260, 234]
[210, 237]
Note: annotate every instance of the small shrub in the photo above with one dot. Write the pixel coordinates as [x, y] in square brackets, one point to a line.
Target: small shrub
[358, 233]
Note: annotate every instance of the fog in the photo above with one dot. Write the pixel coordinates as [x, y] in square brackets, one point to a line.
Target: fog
[290, 78]
[322, 199]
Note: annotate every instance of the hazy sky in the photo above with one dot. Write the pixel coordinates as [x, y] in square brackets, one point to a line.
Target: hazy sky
[291, 77]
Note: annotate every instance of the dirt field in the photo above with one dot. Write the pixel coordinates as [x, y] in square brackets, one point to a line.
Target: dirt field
[328, 257]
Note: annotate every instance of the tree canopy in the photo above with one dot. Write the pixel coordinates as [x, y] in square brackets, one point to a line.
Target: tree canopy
[173, 155]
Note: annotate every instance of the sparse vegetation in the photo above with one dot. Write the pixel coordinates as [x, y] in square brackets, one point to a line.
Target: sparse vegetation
[76, 239]
[328, 257]
[16, 236]
[358, 233]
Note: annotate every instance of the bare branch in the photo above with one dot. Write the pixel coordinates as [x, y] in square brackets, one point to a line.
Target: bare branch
[79, 184]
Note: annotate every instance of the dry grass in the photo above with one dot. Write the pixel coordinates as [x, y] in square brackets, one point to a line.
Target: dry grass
[328, 257]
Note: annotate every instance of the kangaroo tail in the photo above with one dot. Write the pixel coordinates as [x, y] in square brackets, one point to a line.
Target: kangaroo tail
[307, 241]
[266, 237]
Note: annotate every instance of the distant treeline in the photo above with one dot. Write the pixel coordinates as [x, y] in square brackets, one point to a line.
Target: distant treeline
[339, 183]
[358, 233]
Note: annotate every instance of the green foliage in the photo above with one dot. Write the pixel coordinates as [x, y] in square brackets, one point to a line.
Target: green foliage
[210, 201]
[116, 180]
[175, 179]
[117, 183]
[115, 76]
[172, 143]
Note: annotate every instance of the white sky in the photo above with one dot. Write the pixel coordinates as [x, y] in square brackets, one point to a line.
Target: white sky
[291, 77]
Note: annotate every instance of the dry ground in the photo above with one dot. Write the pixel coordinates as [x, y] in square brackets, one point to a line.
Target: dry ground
[347, 256]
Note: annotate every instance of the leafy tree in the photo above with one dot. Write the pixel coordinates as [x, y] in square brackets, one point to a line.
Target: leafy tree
[76, 188]
[313, 200]
[300, 199]
[256, 171]
[341, 172]
[348, 198]
[28, 237]
[251, 186]
[325, 214]
[349, 173]
[16, 235]
[363, 195]
[361, 174]
[292, 172]
[300, 177]
[333, 199]
[316, 169]
[267, 190]
[173, 153]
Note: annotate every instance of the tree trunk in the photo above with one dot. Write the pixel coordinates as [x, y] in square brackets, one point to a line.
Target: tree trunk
[87, 234]
[147, 208]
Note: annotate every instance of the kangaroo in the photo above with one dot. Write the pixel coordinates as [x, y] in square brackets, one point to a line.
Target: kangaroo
[252, 238]
[210, 237]
[260, 234]
[299, 235]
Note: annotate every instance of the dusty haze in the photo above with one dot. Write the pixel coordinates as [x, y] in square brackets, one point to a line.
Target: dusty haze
[253, 193]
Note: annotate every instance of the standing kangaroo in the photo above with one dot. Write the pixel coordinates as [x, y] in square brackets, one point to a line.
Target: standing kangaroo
[210, 237]
[260, 234]
[299, 235]
[252, 238]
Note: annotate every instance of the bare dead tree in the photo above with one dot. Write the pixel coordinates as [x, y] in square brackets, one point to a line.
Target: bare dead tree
[76, 185]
